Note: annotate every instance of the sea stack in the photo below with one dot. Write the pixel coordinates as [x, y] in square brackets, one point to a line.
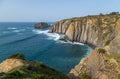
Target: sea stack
[41, 25]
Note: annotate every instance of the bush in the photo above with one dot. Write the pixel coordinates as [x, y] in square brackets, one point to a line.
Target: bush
[101, 14]
[17, 56]
[107, 42]
[100, 50]
[84, 76]
[114, 13]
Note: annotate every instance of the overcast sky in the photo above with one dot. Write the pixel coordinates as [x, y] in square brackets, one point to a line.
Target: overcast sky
[53, 10]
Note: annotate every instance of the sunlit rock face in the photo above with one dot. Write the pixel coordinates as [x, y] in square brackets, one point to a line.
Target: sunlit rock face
[102, 32]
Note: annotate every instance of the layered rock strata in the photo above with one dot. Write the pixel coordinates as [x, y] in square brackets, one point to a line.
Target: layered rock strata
[101, 31]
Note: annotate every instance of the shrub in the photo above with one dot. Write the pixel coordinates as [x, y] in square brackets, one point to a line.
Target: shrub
[84, 76]
[100, 50]
[99, 22]
[107, 42]
[101, 14]
[114, 13]
[17, 56]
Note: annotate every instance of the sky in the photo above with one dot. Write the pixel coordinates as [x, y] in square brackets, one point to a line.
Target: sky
[53, 10]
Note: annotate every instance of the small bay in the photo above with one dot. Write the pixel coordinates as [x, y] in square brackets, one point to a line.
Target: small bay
[39, 45]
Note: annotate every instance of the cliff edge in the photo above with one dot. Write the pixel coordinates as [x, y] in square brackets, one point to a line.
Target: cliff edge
[16, 67]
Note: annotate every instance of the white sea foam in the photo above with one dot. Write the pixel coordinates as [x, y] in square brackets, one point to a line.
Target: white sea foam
[75, 43]
[54, 36]
[78, 43]
[12, 28]
[20, 30]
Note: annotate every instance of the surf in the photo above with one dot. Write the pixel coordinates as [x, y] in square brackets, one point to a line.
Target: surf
[51, 36]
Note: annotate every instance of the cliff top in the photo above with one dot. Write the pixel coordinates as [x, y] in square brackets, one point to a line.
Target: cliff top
[112, 14]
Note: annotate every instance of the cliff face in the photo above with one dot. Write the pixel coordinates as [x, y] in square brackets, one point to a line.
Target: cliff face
[101, 31]
[92, 30]
[97, 65]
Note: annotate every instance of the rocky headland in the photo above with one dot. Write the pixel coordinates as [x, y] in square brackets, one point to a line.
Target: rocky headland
[102, 33]
[16, 67]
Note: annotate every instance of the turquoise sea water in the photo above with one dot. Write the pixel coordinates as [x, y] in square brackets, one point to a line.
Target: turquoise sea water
[39, 45]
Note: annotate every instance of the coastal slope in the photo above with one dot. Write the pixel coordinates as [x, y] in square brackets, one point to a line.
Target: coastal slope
[16, 67]
[102, 33]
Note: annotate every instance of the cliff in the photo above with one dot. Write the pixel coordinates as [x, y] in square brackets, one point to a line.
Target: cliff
[16, 67]
[98, 65]
[102, 33]
[99, 30]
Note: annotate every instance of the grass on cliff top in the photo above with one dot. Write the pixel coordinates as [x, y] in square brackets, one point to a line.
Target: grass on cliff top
[101, 50]
[117, 58]
[32, 70]
[84, 76]
[17, 56]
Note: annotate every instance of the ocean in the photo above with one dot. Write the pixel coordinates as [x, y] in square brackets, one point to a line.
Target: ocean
[39, 45]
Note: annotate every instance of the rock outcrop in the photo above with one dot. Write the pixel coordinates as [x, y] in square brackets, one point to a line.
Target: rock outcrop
[101, 31]
[15, 67]
[42, 25]
[10, 64]
[97, 65]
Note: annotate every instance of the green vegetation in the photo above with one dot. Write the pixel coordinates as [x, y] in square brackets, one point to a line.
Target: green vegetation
[17, 56]
[101, 14]
[115, 57]
[107, 42]
[114, 13]
[84, 76]
[100, 50]
[118, 76]
[99, 22]
[33, 71]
